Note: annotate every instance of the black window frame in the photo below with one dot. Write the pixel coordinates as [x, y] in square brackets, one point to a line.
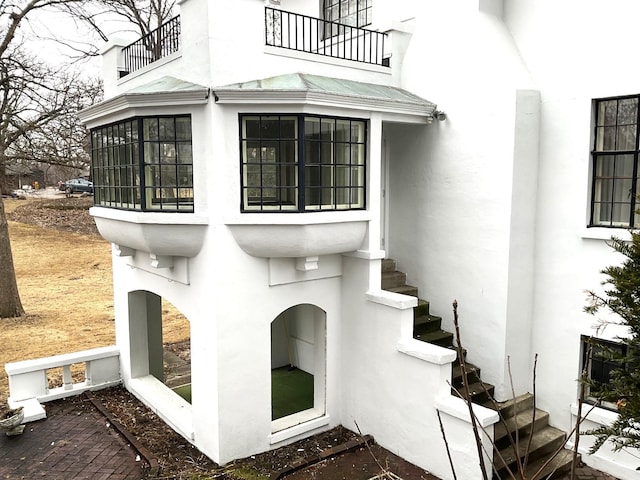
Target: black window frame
[362, 13]
[601, 358]
[141, 168]
[298, 198]
[613, 190]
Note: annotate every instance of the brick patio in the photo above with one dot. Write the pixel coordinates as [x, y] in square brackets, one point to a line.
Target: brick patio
[74, 442]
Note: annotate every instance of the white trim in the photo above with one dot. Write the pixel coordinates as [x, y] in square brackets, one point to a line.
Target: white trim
[310, 218]
[284, 428]
[167, 404]
[319, 58]
[458, 408]
[598, 415]
[159, 218]
[600, 233]
[249, 96]
[426, 351]
[127, 101]
[392, 299]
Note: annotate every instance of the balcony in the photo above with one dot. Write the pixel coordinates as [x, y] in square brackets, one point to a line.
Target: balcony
[157, 44]
[313, 35]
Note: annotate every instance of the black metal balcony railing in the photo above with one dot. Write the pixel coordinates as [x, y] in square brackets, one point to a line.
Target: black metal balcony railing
[159, 43]
[314, 35]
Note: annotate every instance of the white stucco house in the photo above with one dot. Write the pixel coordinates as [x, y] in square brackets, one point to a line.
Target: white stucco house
[255, 161]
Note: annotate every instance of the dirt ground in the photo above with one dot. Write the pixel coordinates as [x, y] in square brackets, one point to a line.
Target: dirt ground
[63, 268]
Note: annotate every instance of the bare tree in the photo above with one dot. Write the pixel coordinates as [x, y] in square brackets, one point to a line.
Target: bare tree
[142, 16]
[33, 96]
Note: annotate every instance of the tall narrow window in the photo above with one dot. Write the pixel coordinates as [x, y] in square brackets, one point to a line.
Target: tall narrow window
[615, 163]
[302, 163]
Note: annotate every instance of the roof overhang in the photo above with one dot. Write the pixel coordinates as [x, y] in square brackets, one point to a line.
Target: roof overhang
[304, 89]
[164, 92]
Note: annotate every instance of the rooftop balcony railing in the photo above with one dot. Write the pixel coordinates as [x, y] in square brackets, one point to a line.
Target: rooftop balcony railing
[313, 35]
[157, 44]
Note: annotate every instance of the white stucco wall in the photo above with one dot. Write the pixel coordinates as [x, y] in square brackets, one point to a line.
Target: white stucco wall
[488, 207]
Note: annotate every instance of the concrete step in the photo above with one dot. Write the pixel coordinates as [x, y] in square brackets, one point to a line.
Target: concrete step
[518, 404]
[438, 337]
[388, 265]
[543, 443]
[473, 374]
[405, 290]
[421, 309]
[393, 279]
[526, 424]
[426, 323]
[479, 391]
[559, 465]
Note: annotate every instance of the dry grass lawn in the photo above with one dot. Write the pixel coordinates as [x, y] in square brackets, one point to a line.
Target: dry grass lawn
[65, 284]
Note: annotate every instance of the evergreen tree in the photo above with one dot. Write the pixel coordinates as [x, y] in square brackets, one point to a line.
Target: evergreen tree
[622, 297]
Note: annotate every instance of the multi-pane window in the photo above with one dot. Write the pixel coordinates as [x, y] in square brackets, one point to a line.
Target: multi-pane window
[356, 13]
[615, 163]
[302, 163]
[144, 163]
[602, 358]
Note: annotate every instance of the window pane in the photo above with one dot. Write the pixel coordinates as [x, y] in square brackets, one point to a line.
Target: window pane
[289, 127]
[607, 112]
[150, 129]
[343, 131]
[166, 129]
[270, 127]
[626, 137]
[151, 152]
[168, 153]
[185, 153]
[251, 127]
[627, 111]
[183, 128]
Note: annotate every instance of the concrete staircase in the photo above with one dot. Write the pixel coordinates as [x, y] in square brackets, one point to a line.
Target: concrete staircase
[519, 418]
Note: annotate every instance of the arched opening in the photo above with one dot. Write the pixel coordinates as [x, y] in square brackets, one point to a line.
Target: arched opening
[298, 366]
[160, 343]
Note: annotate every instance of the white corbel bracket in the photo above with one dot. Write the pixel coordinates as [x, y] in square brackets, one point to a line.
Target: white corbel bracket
[161, 261]
[306, 264]
[122, 251]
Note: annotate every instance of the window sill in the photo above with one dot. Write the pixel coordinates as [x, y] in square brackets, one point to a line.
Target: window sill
[297, 424]
[597, 415]
[601, 233]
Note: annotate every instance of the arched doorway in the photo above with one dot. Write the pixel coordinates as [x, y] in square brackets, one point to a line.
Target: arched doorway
[159, 338]
[298, 366]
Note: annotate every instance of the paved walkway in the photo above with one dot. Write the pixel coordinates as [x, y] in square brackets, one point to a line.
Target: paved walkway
[73, 443]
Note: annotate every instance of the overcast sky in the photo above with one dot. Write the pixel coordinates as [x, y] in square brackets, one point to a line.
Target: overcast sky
[45, 26]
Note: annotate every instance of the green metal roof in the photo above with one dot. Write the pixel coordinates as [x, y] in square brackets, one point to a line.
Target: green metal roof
[168, 84]
[304, 86]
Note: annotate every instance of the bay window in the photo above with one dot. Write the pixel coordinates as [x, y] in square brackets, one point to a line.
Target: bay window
[144, 163]
[302, 163]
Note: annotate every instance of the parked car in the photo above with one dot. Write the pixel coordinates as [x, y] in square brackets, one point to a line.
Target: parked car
[76, 185]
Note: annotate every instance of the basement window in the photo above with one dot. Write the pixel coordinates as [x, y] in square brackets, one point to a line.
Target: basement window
[301, 163]
[144, 163]
[602, 358]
